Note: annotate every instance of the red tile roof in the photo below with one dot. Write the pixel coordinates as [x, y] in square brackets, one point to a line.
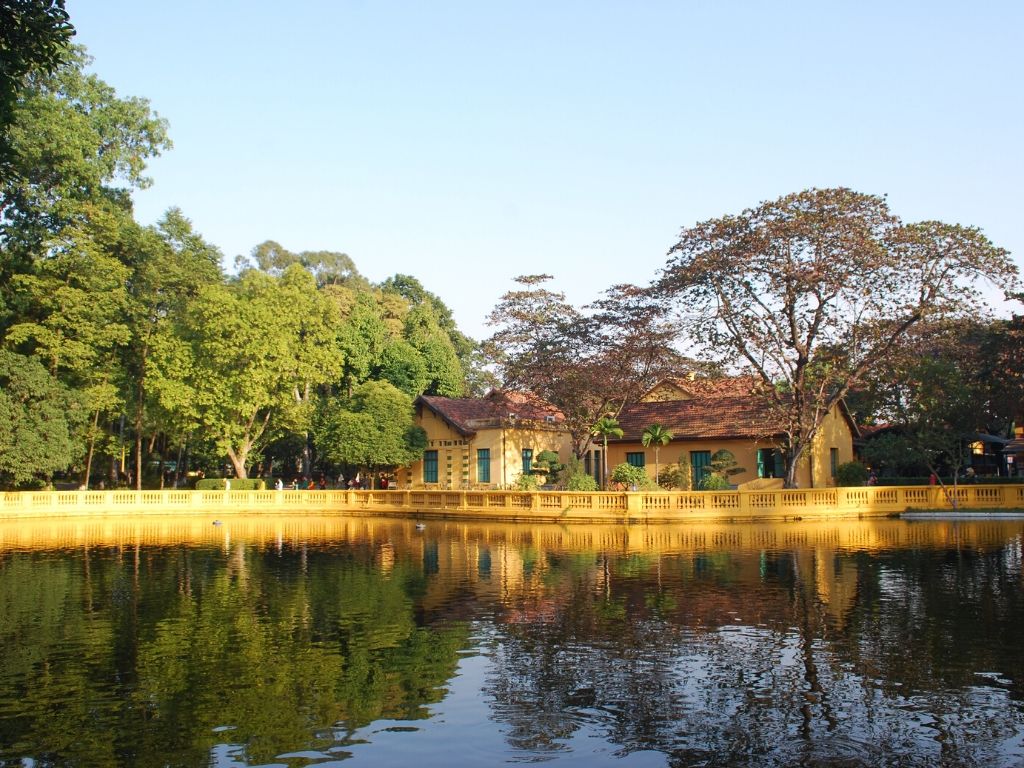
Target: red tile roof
[469, 414]
[715, 417]
[711, 387]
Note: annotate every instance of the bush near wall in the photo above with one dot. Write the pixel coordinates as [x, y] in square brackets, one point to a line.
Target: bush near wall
[851, 474]
[217, 484]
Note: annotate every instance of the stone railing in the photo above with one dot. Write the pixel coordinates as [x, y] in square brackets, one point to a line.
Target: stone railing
[640, 506]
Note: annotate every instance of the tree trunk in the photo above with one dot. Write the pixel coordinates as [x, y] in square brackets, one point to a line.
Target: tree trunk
[177, 466]
[238, 461]
[138, 439]
[92, 445]
[604, 461]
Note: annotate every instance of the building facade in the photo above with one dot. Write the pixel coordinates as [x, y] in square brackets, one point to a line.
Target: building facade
[723, 419]
[486, 442]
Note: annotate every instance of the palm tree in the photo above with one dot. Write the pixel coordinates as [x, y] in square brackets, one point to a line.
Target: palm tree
[658, 435]
[606, 426]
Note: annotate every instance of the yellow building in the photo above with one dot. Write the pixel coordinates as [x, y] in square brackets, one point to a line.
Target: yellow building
[485, 442]
[713, 417]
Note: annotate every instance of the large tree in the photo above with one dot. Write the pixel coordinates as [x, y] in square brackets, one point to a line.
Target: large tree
[258, 347]
[587, 362]
[171, 263]
[67, 236]
[372, 429]
[814, 290]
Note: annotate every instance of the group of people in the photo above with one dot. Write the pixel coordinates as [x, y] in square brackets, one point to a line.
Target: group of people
[302, 484]
[358, 482]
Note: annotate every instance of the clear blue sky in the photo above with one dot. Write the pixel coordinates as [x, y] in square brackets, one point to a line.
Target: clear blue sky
[469, 142]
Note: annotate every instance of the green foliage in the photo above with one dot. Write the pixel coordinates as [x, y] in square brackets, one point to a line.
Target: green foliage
[656, 435]
[34, 37]
[604, 428]
[402, 365]
[444, 371]
[674, 476]
[580, 481]
[527, 482]
[851, 474]
[547, 463]
[724, 463]
[374, 428]
[897, 454]
[37, 415]
[630, 476]
[573, 478]
[714, 482]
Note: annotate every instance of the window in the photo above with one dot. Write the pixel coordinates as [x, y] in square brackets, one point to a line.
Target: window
[430, 466]
[483, 465]
[699, 461]
[635, 459]
[527, 460]
[833, 458]
[769, 463]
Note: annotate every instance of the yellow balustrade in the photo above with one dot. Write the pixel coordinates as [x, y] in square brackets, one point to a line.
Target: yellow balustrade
[643, 506]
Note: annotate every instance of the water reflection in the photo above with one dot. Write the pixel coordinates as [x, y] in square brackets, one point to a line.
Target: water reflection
[295, 642]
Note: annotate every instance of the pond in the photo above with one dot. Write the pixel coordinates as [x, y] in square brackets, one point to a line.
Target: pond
[374, 642]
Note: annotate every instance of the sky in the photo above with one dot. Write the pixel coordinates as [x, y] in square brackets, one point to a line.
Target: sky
[466, 143]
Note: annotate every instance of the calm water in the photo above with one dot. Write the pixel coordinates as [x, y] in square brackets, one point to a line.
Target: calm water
[375, 643]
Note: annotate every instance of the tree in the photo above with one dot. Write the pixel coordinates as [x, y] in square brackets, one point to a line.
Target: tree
[656, 435]
[257, 346]
[171, 265]
[67, 237]
[444, 371]
[403, 366]
[604, 428]
[586, 363]
[361, 336]
[328, 267]
[374, 428]
[814, 290]
[630, 477]
[37, 417]
[34, 37]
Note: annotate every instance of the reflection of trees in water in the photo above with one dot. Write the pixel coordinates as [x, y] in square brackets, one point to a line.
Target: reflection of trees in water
[739, 661]
[115, 657]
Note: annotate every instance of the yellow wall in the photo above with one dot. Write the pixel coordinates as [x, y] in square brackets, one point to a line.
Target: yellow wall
[834, 433]
[457, 454]
[665, 390]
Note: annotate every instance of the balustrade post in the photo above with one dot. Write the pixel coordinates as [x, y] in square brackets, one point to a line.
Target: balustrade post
[744, 502]
[634, 504]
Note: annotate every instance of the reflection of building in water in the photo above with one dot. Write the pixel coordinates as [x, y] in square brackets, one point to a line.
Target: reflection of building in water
[526, 570]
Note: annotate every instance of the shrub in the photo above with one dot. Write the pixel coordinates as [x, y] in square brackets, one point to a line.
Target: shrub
[675, 476]
[851, 473]
[715, 482]
[237, 484]
[547, 463]
[580, 482]
[572, 477]
[527, 483]
[630, 476]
